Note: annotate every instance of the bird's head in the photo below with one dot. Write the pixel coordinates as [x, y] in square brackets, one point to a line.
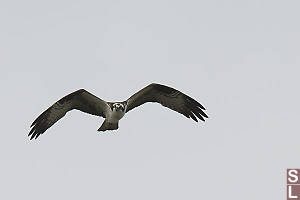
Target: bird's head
[118, 107]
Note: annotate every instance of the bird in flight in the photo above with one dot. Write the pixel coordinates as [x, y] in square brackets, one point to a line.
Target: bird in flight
[113, 111]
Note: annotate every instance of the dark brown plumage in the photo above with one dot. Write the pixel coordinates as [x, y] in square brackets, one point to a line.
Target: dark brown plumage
[168, 97]
[113, 111]
[81, 100]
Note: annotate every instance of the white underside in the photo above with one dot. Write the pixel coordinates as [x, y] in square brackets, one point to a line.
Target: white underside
[115, 116]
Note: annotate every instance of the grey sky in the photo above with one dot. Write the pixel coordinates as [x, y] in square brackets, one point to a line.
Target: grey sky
[240, 59]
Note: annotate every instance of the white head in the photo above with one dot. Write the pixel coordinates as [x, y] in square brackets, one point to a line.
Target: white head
[118, 107]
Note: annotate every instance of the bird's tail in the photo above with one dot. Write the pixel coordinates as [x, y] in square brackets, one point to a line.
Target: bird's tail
[108, 126]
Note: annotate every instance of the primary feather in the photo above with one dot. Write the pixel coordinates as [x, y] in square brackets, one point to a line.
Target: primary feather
[113, 111]
[80, 100]
[168, 97]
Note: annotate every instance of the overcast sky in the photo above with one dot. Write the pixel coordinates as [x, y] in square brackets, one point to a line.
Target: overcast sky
[240, 59]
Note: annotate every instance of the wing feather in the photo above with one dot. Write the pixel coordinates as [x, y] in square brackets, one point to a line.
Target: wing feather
[81, 100]
[168, 97]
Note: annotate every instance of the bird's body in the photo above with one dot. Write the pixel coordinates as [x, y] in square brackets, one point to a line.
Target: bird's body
[114, 114]
[113, 111]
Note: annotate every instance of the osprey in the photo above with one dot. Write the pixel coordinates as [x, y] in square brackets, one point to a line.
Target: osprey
[113, 111]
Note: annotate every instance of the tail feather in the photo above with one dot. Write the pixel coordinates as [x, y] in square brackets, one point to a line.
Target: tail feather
[108, 126]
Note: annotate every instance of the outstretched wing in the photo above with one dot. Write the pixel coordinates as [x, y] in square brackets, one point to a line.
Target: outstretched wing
[168, 97]
[81, 100]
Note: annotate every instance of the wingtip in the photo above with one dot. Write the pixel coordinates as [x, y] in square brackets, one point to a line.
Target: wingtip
[204, 114]
[192, 115]
[31, 131]
[32, 134]
[33, 123]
